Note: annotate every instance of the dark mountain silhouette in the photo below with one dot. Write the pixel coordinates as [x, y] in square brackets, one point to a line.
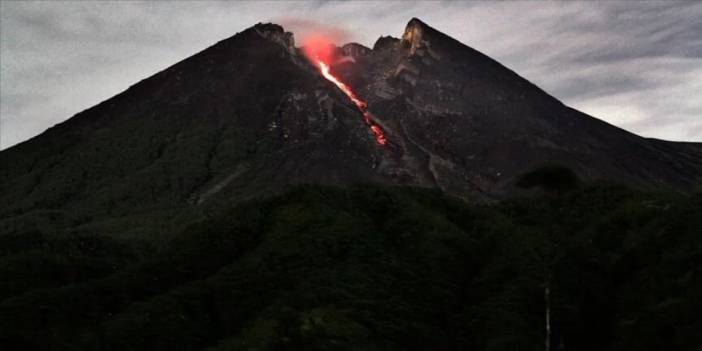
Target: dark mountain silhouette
[250, 115]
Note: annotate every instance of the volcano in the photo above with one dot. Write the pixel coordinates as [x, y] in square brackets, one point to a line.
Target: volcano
[253, 114]
[260, 195]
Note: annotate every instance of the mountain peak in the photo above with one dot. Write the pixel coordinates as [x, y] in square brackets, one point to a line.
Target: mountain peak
[412, 37]
[384, 42]
[418, 35]
[248, 116]
[269, 27]
[277, 34]
[416, 22]
[355, 50]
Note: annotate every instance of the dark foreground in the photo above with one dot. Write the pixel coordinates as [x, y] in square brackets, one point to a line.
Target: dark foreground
[371, 268]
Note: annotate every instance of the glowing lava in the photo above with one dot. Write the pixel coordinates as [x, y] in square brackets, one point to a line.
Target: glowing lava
[320, 52]
[362, 105]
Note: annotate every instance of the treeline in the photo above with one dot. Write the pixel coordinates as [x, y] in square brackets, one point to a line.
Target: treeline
[373, 268]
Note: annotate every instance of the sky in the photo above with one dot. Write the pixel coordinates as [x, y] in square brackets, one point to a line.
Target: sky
[637, 65]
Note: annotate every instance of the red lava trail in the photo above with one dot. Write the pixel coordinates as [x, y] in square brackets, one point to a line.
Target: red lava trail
[362, 105]
[321, 52]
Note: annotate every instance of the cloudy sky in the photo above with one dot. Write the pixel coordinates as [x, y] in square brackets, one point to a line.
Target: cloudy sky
[637, 65]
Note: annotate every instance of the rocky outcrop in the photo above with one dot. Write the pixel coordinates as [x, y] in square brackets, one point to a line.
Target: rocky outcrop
[277, 34]
[355, 50]
[488, 125]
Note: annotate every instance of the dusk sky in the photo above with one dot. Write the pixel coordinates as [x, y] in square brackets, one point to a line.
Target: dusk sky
[637, 65]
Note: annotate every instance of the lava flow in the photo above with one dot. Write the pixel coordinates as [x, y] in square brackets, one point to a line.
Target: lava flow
[320, 52]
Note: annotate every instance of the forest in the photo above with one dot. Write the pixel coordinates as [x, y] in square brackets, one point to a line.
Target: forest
[576, 267]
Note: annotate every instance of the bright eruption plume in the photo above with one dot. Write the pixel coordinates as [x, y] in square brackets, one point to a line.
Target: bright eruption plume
[320, 51]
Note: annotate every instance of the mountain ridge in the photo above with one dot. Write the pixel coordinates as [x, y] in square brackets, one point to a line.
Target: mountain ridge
[250, 115]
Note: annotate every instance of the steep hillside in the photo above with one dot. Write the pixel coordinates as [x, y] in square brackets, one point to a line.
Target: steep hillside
[474, 123]
[251, 115]
[371, 268]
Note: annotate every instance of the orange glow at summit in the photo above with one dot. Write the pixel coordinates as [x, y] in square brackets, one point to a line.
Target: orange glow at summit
[321, 52]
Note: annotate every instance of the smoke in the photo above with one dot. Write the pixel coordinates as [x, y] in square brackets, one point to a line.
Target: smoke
[320, 45]
[307, 30]
[319, 41]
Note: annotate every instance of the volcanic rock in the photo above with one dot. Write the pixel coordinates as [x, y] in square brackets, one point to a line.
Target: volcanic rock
[249, 116]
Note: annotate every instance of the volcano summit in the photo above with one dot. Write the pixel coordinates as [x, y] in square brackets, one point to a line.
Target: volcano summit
[252, 114]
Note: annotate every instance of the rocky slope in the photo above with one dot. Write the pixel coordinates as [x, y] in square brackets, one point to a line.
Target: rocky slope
[474, 125]
[250, 115]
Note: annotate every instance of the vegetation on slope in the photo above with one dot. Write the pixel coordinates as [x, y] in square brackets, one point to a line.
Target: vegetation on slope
[372, 268]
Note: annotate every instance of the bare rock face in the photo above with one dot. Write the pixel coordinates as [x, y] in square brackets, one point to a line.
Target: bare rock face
[385, 42]
[249, 115]
[275, 33]
[475, 126]
[355, 50]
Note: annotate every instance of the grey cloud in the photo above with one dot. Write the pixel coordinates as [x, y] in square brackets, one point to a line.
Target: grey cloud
[637, 65]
